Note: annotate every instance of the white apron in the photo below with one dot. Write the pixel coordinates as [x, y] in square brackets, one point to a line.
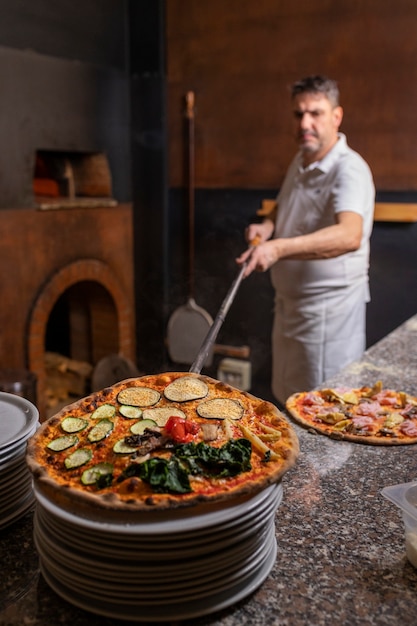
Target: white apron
[313, 338]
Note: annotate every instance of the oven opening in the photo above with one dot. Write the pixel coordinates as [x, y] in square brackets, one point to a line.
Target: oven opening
[81, 330]
[65, 179]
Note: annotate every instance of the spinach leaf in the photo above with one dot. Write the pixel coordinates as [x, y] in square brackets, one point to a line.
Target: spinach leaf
[104, 480]
[164, 476]
[229, 460]
[171, 476]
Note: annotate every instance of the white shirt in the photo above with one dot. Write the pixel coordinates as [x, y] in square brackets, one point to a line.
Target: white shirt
[308, 200]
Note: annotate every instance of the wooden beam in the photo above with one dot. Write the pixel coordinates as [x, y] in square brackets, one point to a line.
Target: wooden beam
[395, 212]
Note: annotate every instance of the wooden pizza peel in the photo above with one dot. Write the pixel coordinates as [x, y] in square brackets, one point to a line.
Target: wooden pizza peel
[189, 324]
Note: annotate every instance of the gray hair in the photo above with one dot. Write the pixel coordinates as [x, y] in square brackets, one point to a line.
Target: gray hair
[317, 84]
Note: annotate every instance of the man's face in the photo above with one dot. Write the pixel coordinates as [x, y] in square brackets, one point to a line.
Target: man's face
[316, 122]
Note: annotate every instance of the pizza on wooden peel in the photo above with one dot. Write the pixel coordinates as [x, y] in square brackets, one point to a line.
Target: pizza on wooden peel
[159, 442]
[372, 415]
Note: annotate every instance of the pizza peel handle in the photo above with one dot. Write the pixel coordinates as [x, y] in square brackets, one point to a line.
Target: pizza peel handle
[210, 338]
[189, 323]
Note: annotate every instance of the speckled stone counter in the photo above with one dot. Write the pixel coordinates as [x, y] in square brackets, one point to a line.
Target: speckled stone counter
[341, 555]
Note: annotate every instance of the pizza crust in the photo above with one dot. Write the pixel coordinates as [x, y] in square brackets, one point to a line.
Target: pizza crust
[133, 497]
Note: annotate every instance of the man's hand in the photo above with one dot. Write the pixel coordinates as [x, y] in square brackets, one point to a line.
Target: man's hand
[261, 257]
[344, 236]
[259, 232]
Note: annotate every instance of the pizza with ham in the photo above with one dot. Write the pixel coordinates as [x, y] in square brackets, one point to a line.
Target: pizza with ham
[372, 415]
[160, 442]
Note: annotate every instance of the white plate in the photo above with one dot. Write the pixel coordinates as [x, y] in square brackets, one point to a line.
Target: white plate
[17, 511]
[13, 499]
[149, 570]
[10, 491]
[168, 522]
[17, 447]
[14, 474]
[148, 576]
[167, 611]
[105, 546]
[186, 520]
[130, 554]
[140, 561]
[15, 452]
[18, 418]
[13, 460]
[170, 591]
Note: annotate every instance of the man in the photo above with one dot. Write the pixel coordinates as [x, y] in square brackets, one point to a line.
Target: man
[319, 251]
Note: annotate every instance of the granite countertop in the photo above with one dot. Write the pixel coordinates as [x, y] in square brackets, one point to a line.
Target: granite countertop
[341, 554]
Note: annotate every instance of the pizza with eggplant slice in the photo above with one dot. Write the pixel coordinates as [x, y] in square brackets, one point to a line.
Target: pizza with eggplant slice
[159, 442]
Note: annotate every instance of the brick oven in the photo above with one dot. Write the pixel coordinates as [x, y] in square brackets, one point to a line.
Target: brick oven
[72, 265]
[66, 247]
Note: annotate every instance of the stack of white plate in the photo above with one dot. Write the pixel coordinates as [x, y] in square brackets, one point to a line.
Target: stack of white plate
[178, 567]
[19, 419]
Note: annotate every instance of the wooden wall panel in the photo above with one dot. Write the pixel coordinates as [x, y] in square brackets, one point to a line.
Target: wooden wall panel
[241, 56]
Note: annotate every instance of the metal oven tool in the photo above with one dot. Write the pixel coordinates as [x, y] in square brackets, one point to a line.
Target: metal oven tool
[210, 338]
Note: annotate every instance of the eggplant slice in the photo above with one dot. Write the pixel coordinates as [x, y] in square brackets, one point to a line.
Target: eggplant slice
[220, 409]
[186, 388]
[161, 415]
[138, 396]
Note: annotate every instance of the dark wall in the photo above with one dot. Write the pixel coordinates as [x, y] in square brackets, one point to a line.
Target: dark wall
[220, 219]
[393, 278]
[65, 86]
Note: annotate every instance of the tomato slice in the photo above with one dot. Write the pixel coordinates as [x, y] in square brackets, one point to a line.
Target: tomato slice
[180, 429]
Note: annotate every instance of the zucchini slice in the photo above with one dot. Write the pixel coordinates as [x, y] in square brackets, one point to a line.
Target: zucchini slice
[121, 447]
[62, 443]
[78, 457]
[100, 430]
[73, 424]
[161, 415]
[138, 428]
[138, 396]
[92, 474]
[220, 409]
[131, 412]
[186, 388]
[105, 410]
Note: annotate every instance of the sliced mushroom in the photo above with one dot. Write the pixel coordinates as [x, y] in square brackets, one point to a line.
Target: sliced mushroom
[210, 431]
